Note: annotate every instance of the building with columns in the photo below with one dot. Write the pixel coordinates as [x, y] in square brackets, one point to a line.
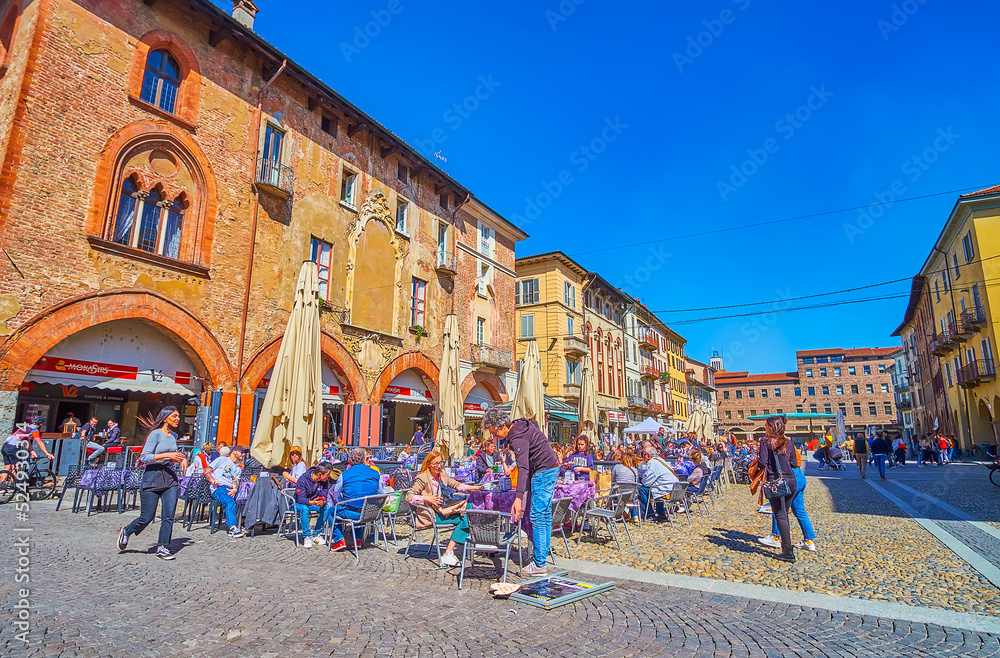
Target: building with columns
[165, 172]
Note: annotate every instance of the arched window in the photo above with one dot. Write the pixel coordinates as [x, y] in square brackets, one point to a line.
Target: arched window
[8, 29]
[161, 80]
[148, 222]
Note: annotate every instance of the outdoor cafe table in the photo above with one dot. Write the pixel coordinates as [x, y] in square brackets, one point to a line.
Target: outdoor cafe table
[501, 501]
[246, 486]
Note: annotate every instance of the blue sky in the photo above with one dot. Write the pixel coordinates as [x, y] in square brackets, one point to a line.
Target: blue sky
[626, 122]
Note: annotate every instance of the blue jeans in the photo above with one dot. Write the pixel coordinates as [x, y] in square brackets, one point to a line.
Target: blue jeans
[303, 512]
[543, 488]
[798, 508]
[880, 461]
[342, 512]
[221, 494]
[147, 506]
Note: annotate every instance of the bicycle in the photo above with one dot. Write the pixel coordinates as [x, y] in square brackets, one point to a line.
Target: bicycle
[40, 483]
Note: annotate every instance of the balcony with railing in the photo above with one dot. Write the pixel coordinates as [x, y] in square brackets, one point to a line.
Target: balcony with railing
[275, 178]
[574, 345]
[447, 263]
[491, 358]
[904, 405]
[954, 333]
[571, 391]
[637, 401]
[647, 340]
[902, 387]
[976, 372]
[650, 373]
[941, 343]
[973, 319]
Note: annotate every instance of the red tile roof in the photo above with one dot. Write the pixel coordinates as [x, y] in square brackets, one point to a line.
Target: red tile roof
[826, 352]
[988, 190]
[872, 351]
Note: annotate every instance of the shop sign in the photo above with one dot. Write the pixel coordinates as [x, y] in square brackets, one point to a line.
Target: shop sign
[36, 390]
[403, 390]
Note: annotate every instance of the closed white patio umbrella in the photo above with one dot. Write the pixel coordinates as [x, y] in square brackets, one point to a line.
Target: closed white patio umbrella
[449, 430]
[529, 401]
[292, 412]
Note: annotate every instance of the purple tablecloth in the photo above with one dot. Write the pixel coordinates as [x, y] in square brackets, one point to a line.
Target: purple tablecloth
[580, 492]
[246, 486]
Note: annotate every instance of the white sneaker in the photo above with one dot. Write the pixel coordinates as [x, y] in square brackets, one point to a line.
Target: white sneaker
[449, 560]
[806, 544]
[318, 539]
[307, 543]
[533, 570]
[770, 541]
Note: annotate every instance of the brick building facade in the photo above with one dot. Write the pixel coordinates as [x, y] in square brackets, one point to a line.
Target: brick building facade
[857, 381]
[165, 172]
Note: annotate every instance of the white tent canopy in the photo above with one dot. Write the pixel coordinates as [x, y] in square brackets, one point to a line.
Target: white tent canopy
[648, 426]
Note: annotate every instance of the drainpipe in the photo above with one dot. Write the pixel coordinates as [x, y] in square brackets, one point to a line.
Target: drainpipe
[253, 226]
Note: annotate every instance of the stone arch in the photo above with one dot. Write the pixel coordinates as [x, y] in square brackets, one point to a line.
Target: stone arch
[189, 92]
[9, 25]
[982, 425]
[491, 382]
[116, 161]
[428, 371]
[375, 208]
[32, 340]
[335, 355]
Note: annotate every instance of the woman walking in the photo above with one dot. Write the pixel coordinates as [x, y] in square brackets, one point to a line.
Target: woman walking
[775, 456]
[799, 511]
[159, 482]
[861, 453]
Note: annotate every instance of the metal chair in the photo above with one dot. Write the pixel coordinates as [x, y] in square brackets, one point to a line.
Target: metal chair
[290, 516]
[489, 532]
[625, 487]
[609, 509]
[698, 496]
[73, 476]
[132, 483]
[560, 516]
[676, 501]
[403, 512]
[435, 526]
[369, 517]
[198, 497]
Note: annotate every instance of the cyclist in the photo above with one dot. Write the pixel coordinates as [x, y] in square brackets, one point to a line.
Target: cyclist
[31, 434]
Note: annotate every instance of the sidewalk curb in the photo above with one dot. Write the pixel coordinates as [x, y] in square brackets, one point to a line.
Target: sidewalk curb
[913, 614]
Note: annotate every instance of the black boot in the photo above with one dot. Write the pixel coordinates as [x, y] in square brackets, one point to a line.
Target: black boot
[786, 557]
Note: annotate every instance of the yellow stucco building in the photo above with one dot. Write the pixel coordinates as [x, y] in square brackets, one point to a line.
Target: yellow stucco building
[961, 275]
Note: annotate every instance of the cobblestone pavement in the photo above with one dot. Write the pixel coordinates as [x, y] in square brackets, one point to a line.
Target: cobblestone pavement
[263, 597]
[868, 548]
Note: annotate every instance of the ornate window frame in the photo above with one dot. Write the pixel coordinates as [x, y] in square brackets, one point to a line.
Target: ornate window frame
[185, 112]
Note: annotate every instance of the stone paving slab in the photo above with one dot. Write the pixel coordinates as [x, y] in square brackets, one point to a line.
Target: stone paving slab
[263, 597]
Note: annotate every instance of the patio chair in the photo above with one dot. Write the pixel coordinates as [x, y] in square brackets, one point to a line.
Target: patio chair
[402, 479]
[131, 484]
[698, 496]
[561, 515]
[730, 472]
[625, 487]
[489, 532]
[403, 513]
[290, 517]
[72, 479]
[435, 527]
[651, 501]
[609, 509]
[677, 500]
[199, 499]
[369, 518]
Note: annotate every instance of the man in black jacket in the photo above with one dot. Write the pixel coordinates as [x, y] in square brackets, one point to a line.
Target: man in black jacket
[538, 465]
[880, 452]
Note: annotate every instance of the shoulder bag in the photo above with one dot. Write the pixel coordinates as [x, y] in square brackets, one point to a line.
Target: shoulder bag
[777, 487]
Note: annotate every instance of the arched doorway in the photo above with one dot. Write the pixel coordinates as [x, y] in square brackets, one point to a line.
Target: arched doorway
[982, 425]
[480, 391]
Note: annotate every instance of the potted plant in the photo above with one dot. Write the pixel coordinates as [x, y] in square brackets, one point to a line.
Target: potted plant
[418, 330]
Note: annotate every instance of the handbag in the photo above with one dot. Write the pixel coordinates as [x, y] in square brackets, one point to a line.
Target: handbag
[777, 487]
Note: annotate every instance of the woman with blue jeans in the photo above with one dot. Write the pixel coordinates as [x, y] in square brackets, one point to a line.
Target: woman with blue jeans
[798, 509]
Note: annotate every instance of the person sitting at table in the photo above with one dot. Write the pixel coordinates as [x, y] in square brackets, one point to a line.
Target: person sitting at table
[581, 461]
[626, 471]
[657, 480]
[199, 460]
[486, 459]
[113, 436]
[359, 480]
[224, 474]
[311, 491]
[298, 468]
[430, 490]
[699, 472]
[218, 451]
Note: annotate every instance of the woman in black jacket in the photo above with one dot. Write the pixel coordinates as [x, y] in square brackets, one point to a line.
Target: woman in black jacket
[776, 456]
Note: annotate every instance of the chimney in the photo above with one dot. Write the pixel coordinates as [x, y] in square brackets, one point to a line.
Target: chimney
[245, 11]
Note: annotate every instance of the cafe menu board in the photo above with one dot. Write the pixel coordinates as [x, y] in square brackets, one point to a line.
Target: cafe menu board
[557, 590]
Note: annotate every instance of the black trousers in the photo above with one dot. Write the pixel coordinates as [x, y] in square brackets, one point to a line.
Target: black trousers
[147, 511]
[780, 507]
[901, 456]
